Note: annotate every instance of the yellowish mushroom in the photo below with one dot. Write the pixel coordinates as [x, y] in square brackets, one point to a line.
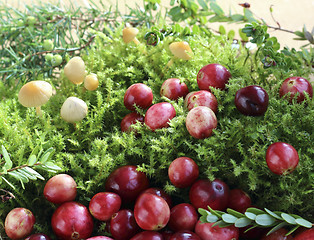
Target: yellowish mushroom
[181, 50]
[73, 110]
[129, 35]
[74, 70]
[35, 94]
[91, 82]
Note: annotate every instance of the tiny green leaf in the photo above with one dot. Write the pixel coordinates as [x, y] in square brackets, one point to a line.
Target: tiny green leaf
[273, 214]
[216, 8]
[275, 228]
[242, 222]
[250, 215]
[288, 218]
[228, 218]
[32, 160]
[292, 230]
[264, 220]
[255, 211]
[304, 223]
[211, 218]
[235, 213]
[8, 163]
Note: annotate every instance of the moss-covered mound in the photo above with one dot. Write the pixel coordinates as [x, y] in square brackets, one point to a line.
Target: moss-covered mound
[94, 147]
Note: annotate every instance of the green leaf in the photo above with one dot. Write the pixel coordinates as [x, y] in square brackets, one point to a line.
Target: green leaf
[249, 15]
[242, 222]
[265, 220]
[304, 223]
[235, 213]
[273, 214]
[35, 173]
[231, 34]
[32, 160]
[222, 30]
[237, 17]
[288, 218]
[222, 224]
[44, 158]
[211, 218]
[292, 230]
[250, 215]
[203, 211]
[10, 184]
[51, 166]
[203, 4]
[27, 174]
[216, 8]
[228, 218]
[8, 163]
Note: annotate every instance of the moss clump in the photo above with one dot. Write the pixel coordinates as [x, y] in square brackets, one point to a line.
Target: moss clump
[235, 153]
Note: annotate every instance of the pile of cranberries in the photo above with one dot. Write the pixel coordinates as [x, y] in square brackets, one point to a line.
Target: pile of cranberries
[132, 209]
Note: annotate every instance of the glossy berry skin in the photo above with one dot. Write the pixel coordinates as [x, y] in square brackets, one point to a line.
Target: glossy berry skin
[60, 188]
[200, 122]
[206, 231]
[159, 115]
[204, 193]
[295, 85]
[19, 223]
[251, 100]
[161, 193]
[104, 204]
[281, 158]
[185, 235]
[280, 234]
[72, 220]
[201, 98]
[123, 225]
[183, 216]
[100, 238]
[119, 182]
[38, 236]
[173, 88]
[239, 200]
[306, 235]
[151, 212]
[139, 94]
[182, 172]
[129, 120]
[148, 235]
[213, 75]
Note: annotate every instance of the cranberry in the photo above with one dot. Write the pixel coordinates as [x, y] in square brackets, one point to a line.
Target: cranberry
[19, 223]
[167, 234]
[123, 225]
[159, 115]
[151, 212]
[281, 158]
[72, 220]
[206, 231]
[239, 200]
[127, 182]
[251, 100]
[60, 188]
[99, 238]
[38, 236]
[161, 193]
[138, 94]
[201, 98]
[280, 234]
[294, 86]
[148, 235]
[104, 204]
[182, 172]
[129, 120]
[173, 89]
[306, 235]
[183, 216]
[213, 75]
[200, 122]
[214, 194]
[185, 235]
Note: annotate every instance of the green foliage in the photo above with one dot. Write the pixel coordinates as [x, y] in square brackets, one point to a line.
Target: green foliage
[254, 217]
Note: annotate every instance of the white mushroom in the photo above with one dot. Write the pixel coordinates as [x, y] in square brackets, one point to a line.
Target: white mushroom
[91, 82]
[74, 70]
[35, 94]
[129, 35]
[73, 110]
[180, 50]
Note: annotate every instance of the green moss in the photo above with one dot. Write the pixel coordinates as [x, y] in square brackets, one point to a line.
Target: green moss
[235, 153]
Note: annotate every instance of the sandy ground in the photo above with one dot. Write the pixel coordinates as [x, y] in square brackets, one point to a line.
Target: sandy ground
[291, 14]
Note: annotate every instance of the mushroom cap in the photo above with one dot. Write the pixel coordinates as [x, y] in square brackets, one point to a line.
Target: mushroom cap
[73, 110]
[181, 50]
[74, 70]
[129, 33]
[35, 93]
[91, 82]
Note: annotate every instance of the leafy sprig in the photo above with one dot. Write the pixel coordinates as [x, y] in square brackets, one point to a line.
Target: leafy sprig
[254, 217]
[26, 172]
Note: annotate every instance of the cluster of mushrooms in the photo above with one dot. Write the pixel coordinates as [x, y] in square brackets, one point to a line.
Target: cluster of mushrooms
[37, 93]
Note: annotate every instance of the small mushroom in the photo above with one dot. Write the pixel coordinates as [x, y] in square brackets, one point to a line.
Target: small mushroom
[73, 110]
[35, 94]
[74, 70]
[180, 50]
[129, 35]
[91, 82]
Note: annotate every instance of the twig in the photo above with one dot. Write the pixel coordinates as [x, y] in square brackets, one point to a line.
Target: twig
[20, 167]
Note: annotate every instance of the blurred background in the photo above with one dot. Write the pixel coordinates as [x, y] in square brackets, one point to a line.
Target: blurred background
[288, 14]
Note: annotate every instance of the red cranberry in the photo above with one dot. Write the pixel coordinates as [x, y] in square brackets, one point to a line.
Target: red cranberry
[201, 98]
[183, 216]
[174, 88]
[138, 94]
[239, 200]
[129, 120]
